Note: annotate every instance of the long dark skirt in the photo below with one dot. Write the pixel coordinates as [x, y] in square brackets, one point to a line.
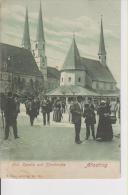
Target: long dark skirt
[104, 130]
[57, 115]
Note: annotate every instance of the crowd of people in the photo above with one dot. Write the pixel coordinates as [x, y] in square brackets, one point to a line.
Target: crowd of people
[76, 107]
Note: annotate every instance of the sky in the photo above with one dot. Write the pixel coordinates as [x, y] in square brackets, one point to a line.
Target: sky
[61, 19]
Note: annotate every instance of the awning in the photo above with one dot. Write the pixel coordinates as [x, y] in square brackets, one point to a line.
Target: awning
[72, 90]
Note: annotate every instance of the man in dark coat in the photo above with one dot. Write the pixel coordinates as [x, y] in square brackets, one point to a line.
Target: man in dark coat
[46, 107]
[90, 120]
[32, 109]
[76, 110]
[17, 101]
[10, 113]
[37, 100]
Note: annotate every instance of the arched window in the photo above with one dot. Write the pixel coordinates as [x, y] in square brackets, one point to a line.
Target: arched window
[69, 79]
[62, 79]
[43, 61]
[36, 46]
[79, 79]
[5, 66]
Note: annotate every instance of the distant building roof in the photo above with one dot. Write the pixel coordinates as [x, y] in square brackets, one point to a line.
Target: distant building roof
[18, 60]
[53, 72]
[97, 71]
[72, 60]
[72, 90]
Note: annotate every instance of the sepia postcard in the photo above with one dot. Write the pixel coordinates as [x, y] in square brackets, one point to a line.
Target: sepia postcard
[60, 71]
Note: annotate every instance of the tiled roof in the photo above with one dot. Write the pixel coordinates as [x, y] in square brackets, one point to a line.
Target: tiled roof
[72, 60]
[97, 71]
[18, 60]
[53, 72]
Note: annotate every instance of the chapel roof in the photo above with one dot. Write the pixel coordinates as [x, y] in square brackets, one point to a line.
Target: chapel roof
[96, 70]
[18, 60]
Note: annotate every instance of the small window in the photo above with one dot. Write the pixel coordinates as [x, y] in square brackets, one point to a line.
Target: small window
[62, 79]
[36, 46]
[69, 79]
[5, 66]
[79, 79]
[43, 61]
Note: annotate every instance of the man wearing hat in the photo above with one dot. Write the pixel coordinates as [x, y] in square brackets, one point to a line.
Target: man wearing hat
[10, 114]
[77, 112]
[17, 101]
[90, 120]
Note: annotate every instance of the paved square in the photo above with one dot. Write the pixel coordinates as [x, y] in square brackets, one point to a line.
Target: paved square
[55, 142]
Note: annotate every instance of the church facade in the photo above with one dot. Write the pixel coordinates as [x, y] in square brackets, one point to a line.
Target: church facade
[88, 73]
[19, 72]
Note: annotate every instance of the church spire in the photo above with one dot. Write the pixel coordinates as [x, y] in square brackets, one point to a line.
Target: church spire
[72, 60]
[26, 36]
[40, 29]
[102, 51]
[39, 52]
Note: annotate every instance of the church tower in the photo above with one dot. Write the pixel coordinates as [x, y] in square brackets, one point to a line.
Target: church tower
[39, 52]
[26, 36]
[102, 51]
[72, 73]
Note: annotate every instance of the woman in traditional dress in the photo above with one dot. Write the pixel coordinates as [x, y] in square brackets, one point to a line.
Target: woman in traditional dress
[57, 114]
[104, 130]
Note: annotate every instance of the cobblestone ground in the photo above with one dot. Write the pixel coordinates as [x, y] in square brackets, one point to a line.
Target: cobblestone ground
[55, 142]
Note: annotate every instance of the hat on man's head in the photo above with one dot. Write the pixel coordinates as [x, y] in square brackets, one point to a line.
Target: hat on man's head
[103, 102]
[79, 98]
